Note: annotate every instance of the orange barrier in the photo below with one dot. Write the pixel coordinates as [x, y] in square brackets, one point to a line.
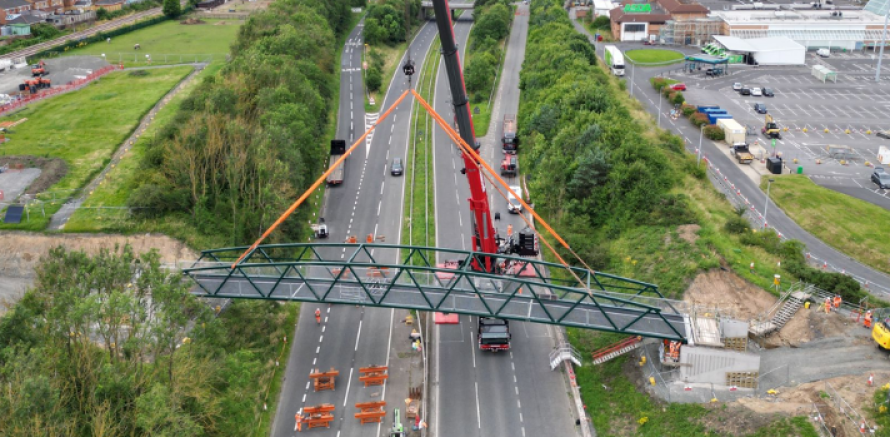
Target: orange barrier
[316, 417]
[49, 92]
[371, 412]
[324, 380]
[374, 375]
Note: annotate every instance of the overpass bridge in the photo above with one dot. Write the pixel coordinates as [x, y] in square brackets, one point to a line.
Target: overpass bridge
[526, 289]
[426, 8]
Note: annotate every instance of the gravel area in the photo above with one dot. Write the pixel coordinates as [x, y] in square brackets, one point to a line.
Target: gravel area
[61, 71]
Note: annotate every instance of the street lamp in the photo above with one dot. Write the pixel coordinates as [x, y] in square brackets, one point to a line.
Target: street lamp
[766, 206]
[632, 71]
[883, 43]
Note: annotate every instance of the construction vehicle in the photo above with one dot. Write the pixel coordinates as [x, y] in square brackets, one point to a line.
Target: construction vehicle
[880, 331]
[338, 148]
[742, 154]
[39, 69]
[509, 166]
[770, 128]
[509, 140]
[397, 429]
[321, 229]
[494, 334]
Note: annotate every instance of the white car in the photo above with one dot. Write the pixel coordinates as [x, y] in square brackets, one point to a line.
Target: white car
[756, 92]
[513, 205]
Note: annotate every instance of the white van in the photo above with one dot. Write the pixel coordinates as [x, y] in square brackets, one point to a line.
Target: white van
[513, 205]
[823, 53]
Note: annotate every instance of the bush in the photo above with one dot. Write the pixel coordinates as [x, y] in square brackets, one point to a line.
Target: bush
[714, 133]
[374, 79]
[172, 8]
[688, 110]
[698, 119]
[677, 98]
[658, 83]
[602, 22]
[737, 225]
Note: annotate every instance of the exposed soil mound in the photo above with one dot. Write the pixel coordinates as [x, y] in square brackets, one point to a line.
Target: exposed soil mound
[192, 21]
[52, 170]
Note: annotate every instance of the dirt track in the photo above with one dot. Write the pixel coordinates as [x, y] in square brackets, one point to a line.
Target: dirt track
[21, 251]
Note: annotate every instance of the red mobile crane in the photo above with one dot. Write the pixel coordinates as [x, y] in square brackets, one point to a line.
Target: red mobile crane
[484, 239]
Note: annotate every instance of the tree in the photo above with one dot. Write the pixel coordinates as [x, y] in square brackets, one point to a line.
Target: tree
[172, 8]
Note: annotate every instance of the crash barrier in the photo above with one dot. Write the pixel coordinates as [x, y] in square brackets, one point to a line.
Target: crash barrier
[50, 92]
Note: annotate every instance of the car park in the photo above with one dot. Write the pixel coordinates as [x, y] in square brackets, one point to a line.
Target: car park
[678, 87]
[756, 92]
[768, 92]
[737, 86]
[714, 72]
[881, 178]
[396, 168]
[745, 91]
[760, 108]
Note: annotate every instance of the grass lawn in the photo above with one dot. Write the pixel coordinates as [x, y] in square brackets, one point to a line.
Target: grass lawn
[653, 56]
[852, 226]
[166, 41]
[85, 127]
[118, 184]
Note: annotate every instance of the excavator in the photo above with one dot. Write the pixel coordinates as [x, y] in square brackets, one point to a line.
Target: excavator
[770, 128]
[484, 238]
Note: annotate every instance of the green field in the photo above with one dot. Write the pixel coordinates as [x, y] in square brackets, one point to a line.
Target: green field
[653, 56]
[168, 43]
[852, 226]
[120, 181]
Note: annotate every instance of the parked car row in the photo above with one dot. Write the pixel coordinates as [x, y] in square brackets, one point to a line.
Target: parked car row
[753, 91]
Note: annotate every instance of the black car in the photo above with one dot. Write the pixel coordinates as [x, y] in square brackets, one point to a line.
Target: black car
[745, 91]
[768, 92]
[760, 108]
[396, 168]
[883, 134]
[881, 178]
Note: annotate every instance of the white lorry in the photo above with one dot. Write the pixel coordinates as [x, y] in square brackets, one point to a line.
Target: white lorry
[615, 60]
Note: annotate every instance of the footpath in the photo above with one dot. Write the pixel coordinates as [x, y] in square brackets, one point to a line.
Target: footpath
[67, 210]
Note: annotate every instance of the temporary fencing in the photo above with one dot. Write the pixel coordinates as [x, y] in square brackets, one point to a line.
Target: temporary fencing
[50, 92]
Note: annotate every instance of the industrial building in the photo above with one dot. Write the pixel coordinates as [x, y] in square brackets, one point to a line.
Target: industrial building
[633, 21]
[777, 50]
[812, 28]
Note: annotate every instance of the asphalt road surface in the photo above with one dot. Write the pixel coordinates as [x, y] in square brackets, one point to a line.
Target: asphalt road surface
[489, 394]
[368, 202]
[643, 91]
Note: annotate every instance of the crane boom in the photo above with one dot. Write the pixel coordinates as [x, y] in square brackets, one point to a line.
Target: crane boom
[484, 236]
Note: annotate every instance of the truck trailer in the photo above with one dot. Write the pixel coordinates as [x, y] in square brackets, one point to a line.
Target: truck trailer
[338, 148]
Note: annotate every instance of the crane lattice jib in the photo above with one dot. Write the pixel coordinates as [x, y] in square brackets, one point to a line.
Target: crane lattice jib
[521, 289]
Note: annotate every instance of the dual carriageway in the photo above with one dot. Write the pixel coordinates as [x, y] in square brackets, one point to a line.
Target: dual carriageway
[473, 394]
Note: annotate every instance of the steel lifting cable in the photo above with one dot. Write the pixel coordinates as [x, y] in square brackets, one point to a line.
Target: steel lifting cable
[467, 149]
[319, 180]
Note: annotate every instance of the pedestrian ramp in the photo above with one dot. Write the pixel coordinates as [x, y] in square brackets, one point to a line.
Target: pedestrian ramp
[564, 352]
[617, 349]
[783, 310]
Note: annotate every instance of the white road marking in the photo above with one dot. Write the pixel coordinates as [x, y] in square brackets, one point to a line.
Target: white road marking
[304, 398]
[317, 349]
[478, 414]
[320, 339]
[307, 385]
[348, 383]
[358, 335]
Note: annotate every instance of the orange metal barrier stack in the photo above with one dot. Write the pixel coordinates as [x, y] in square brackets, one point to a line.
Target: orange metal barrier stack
[317, 416]
[374, 375]
[324, 380]
[371, 412]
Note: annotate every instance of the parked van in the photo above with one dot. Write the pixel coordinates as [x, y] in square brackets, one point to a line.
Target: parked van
[823, 53]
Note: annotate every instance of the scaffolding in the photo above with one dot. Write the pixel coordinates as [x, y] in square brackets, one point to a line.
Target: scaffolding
[690, 32]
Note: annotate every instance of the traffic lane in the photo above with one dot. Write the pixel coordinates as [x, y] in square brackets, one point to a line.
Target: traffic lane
[372, 343]
[306, 354]
[499, 396]
[351, 86]
[451, 190]
[515, 54]
[790, 229]
[543, 391]
[868, 192]
[457, 408]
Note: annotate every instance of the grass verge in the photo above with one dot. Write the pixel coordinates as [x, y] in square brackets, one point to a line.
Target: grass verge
[270, 400]
[168, 43]
[391, 57]
[419, 221]
[850, 225]
[85, 139]
[120, 181]
[653, 56]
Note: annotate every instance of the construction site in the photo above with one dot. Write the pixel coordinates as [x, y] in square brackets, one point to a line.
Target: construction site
[760, 355]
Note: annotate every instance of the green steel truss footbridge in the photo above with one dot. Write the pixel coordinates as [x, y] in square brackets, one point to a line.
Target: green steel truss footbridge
[442, 280]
